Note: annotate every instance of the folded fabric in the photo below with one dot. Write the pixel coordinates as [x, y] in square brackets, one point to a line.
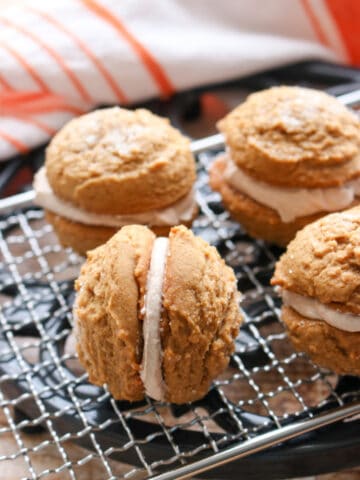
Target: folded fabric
[60, 59]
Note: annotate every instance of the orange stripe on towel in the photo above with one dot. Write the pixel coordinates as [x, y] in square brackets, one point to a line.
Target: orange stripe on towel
[154, 68]
[4, 83]
[346, 15]
[121, 97]
[29, 103]
[315, 23]
[56, 56]
[37, 123]
[26, 66]
[19, 146]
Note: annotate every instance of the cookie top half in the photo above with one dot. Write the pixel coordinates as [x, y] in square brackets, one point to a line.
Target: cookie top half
[323, 261]
[294, 137]
[116, 161]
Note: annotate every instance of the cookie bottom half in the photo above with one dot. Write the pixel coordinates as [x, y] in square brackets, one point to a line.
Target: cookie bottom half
[81, 237]
[258, 220]
[327, 346]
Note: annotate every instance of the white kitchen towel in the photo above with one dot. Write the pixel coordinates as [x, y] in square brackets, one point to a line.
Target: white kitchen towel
[59, 59]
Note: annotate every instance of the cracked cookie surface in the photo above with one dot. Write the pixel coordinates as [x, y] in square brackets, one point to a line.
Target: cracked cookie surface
[116, 161]
[199, 321]
[294, 137]
[323, 263]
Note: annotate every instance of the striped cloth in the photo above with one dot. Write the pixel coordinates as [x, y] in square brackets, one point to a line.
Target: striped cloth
[59, 59]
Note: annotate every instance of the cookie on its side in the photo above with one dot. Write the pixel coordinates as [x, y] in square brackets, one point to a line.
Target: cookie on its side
[293, 155]
[159, 320]
[319, 281]
[116, 167]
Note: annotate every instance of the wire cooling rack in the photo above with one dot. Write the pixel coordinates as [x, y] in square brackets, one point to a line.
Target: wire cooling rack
[268, 394]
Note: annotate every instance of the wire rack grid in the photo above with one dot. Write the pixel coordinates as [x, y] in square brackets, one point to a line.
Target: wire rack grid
[48, 406]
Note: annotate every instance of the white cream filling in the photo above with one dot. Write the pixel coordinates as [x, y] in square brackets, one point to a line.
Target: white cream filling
[312, 308]
[151, 365]
[291, 203]
[181, 211]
